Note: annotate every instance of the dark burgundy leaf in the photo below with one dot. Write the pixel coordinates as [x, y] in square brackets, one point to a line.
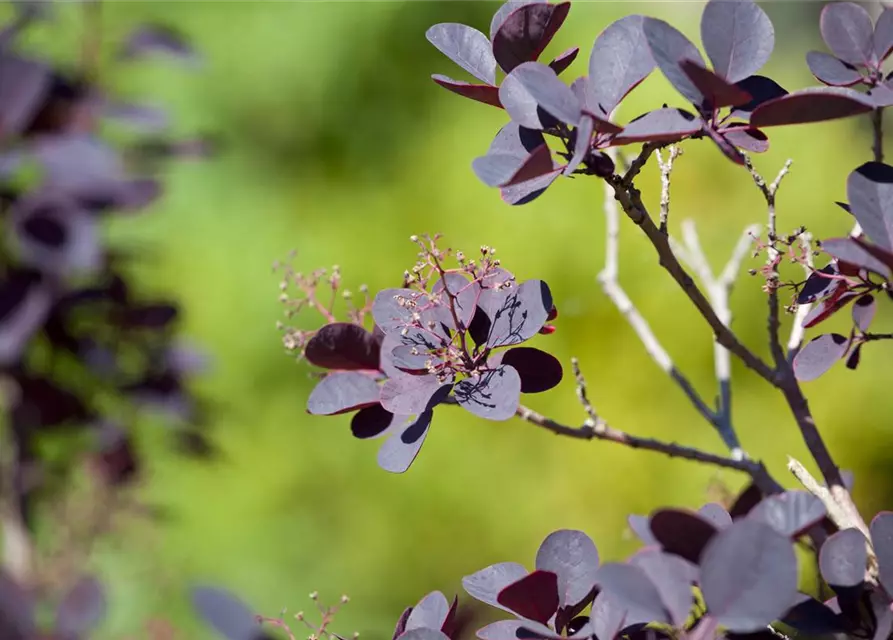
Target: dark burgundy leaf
[749, 139]
[852, 360]
[431, 612]
[493, 394]
[819, 355]
[25, 85]
[372, 422]
[746, 501]
[641, 527]
[630, 585]
[748, 576]
[826, 308]
[539, 371]
[503, 13]
[343, 391]
[548, 91]
[479, 92]
[81, 609]
[818, 284]
[870, 194]
[526, 32]
[400, 450]
[725, 146]
[673, 577]
[863, 312]
[843, 558]
[661, 125]
[683, 533]
[762, 89]
[157, 38]
[467, 47]
[811, 105]
[831, 70]
[16, 610]
[882, 540]
[408, 394]
[150, 316]
[505, 170]
[620, 61]
[529, 191]
[790, 513]
[883, 34]
[517, 313]
[738, 37]
[855, 253]
[535, 596]
[25, 304]
[847, 30]
[717, 92]
[486, 584]
[669, 48]
[458, 291]
[573, 557]
[582, 143]
[225, 613]
[812, 618]
[716, 514]
[41, 403]
[401, 623]
[564, 60]
[342, 345]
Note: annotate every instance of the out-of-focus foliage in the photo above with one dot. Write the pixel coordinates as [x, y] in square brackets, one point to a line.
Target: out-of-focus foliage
[336, 142]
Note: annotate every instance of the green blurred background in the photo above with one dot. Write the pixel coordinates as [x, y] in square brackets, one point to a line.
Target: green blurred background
[336, 143]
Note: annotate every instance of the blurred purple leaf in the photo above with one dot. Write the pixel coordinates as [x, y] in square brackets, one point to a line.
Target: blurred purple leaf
[843, 558]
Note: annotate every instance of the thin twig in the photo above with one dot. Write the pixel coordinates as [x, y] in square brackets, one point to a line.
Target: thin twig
[877, 126]
[719, 291]
[869, 337]
[666, 170]
[797, 330]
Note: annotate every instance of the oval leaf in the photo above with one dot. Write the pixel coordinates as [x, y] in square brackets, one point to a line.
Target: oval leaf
[870, 193]
[681, 532]
[738, 37]
[832, 71]
[486, 584]
[847, 30]
[225, 613]
[431, 612]
[400, 450]
[660, 125]
[535, 596]
[670, 47]
[573, 557]
[467, 47]
[493, 394]
[619, 62]
[673, 577]
[882, 541]
[863, 312]
[630, 585]
[883, 34]
[526, 32]
[819, 355]
[343, 391]
[843, 559]
[517, 313]
[811, 105]
[345, 346]
[539, 371]
[790, 513]
[549, 92]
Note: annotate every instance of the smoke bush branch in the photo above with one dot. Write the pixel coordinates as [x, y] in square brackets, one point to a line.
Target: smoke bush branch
[795, 341]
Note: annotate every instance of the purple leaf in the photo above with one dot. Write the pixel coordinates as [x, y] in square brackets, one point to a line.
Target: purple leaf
[156, 38]
[870, 194]
[467, 47]
[607, 615]
[716, 514]
[724, 145]
[682, 532]
[343, 391]
[374, 421]
[881, 529]
[790, 513]
[81, 609]
[669, 48]
[620, 61]
[630, 585]
[493, 394]
[811, 105]
[516, 140]
[573, 557]
[762, 89]
[717, 91]
[673, 577]
[458, 291]
[25, 85]
[409, 358]
[535, 596]
[526, 32]
[408, 394]
[486, 584]
[505, 170]
[847, 30]
[843, 559]
[863, 312]
[851, 251]
[641, 527]
[582, 143]
[881, 95]
[480, 92]
[431, 612]
[748, 576]
[749, 139]
[400, 450]
[517, 313]
[521, 105]
[225, 613]
[393, 309]
[738, 37]
[812, 618]
[550, 93]
[502, 630]
[424, 633]
[826, 308]
[144, 118]
[563, 60]
[818, 284]
[25, 303]
[661, 125]
[831, 70]
[539, 371]
[883, 34]
[526, 192]
[345, 346]
[819, 355]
